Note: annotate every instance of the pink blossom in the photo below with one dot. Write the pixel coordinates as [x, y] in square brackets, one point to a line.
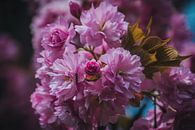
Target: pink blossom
[102, 23]
[112, 105]
[57, 35]
[42, 103]
[102, 48]
[48, 14]
[93, 85]
[46, 60]
[176, 87]
[65, 113]
[56, 39]
[66, 74]
[123, 70]
[86, 54]
[47, 57]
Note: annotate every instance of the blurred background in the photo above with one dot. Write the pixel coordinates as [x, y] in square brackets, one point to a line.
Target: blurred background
[17, 80]
[16, 74]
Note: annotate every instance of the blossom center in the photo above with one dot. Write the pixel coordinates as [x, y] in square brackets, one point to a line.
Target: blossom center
[67, 78]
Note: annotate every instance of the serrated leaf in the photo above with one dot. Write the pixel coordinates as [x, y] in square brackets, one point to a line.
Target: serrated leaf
[183, 57]
[152, 59]
[128, 40]
[146, 58]
[150, 70]
[161, 66]
[155, 55]
[148, 27]
[137, 32]
[152, 43]
[170, 63]
[166, 53]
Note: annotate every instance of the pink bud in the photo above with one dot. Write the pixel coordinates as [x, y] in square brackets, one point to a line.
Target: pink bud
[75, 9]
[92, 68]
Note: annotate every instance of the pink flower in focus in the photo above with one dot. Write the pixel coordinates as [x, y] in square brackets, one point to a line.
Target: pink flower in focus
[66, 74]
[123, 70]
[48, 14]
[102, 23]
[57, 35]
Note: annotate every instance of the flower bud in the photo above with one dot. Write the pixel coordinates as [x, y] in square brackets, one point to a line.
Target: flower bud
[75, 9]
[92, 70]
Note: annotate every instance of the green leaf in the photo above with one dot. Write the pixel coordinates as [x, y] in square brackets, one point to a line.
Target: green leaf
[152, 43]
[137, 32]
[150, 70]
[146, 58]
[128, 41]
[155, 55]
[148, 27]
[166, 53]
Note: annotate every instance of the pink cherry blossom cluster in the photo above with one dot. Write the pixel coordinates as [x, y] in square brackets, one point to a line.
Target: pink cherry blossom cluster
[86, 77]
[167, 21]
